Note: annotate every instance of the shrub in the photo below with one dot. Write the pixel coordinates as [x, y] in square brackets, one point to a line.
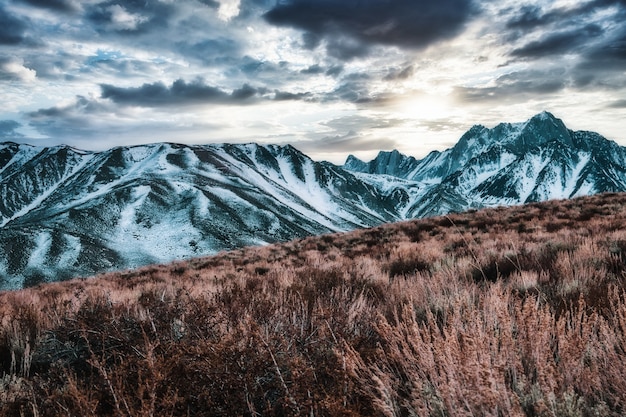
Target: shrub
[450, 316]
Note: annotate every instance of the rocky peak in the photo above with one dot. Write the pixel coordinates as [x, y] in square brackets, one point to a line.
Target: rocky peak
[355, 164]
[541, 129]
[386, 163]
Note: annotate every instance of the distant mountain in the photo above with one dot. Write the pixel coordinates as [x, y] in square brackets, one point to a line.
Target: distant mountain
[518, 163]
[66, 212]
[387, 163]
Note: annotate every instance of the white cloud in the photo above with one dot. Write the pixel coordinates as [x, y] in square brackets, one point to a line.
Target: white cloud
[228, 9]
[14, 69]
[121, 19]
[64, 56]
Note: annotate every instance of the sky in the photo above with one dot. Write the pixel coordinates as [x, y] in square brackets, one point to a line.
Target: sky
[330, 77]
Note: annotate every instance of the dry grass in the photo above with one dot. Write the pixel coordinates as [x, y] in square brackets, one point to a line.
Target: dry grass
[500, 312]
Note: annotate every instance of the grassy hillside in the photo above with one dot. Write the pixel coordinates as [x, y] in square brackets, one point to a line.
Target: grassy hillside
[501, 312]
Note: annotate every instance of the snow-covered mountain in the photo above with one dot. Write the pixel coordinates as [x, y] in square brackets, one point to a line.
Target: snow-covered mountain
[536, 160]
[66, 212]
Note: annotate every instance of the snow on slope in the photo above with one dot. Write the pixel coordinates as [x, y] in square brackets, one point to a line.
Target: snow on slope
[128, 207]
[65, 212]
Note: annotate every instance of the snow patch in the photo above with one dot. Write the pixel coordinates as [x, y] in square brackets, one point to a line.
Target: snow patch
[38, 256]
[69, 257]
[23, 155]
[574, 176]
[127, 221]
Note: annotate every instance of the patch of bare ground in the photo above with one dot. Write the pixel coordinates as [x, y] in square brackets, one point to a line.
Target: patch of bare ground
[515, 311]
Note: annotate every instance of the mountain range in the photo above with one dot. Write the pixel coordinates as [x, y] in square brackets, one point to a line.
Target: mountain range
[66, 212]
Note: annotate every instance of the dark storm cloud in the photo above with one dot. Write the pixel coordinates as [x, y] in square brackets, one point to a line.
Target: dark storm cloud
[62, 65]
[269, 73]
[254, 67]
[8, 130]
[88, 119]
[400, 74]
[318, 69]
[351, 26]
[80, 107]
[12, 29]
[334, 70]
[73, 120]
[589, 77]
[560, 42]
[119, 67]
[211, 3]
[562, 29]
[602, 65]
[516, 87]
[530, 17]
[58, 5]
[196, 92]
[346, 48]
[313, 70]
[286, 96]
[592, 33]
[611, 54]
[180, 92]
[354, 91]
[355, 88]
[209, 51]
[310, 40]
[244, 93]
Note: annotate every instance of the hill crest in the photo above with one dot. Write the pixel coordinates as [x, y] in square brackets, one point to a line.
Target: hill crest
[343, 324]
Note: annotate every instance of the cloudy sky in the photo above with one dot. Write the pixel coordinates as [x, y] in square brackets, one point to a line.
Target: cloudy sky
[330, 77]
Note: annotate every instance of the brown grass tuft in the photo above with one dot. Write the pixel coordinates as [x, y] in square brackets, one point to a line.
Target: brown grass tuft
[499, 312]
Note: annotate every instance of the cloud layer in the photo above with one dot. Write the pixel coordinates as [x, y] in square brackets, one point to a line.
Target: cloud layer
[328, 75]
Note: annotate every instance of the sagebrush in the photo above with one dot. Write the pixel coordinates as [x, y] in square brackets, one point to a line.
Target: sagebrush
[515, 311]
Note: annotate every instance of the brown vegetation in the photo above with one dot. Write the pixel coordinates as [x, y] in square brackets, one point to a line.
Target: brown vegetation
[500, 312]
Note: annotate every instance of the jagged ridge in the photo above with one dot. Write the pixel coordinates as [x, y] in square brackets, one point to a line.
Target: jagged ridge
[537, 160]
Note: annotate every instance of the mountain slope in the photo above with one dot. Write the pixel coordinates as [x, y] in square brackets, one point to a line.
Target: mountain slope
[71, 213]
[526, 316]
[66, 212]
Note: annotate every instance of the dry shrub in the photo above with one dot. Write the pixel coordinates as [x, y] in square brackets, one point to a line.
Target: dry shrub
[499, 312]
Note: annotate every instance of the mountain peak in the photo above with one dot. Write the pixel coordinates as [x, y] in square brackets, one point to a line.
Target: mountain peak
[386, 162]
[543, 116]
[355, 164]
[543, 128]
[518, 138]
